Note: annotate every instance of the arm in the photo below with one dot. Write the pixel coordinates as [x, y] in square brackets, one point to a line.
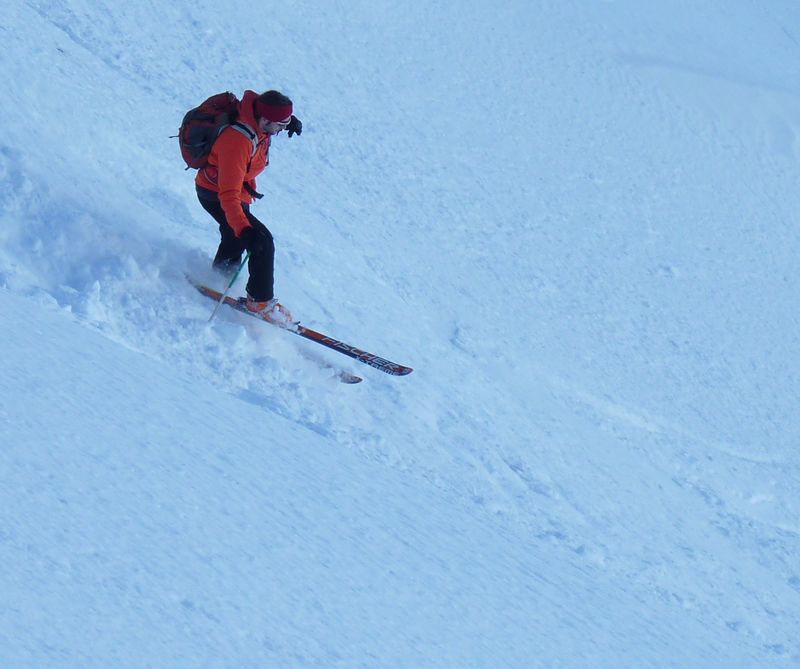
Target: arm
[233, 153]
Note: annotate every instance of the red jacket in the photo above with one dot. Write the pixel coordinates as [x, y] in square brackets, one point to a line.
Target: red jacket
[232, 164]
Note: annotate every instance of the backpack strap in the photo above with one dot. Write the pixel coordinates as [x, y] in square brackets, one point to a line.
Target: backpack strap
[253, 191]
[248, 132]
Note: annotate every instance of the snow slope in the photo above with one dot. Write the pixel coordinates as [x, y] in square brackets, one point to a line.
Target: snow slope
[578, 223]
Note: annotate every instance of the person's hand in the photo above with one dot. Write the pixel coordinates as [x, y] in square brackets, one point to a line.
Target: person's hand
[295, 126]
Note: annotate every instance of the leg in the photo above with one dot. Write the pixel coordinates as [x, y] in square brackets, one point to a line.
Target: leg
[229, 253]
[262, 263]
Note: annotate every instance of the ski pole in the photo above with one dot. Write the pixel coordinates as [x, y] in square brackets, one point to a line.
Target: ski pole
[225, 294]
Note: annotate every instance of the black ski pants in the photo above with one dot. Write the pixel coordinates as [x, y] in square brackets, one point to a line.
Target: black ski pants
[261, 266]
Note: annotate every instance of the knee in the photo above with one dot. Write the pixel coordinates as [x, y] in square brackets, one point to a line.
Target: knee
[266, 242]
[258, 240]
[268, 237]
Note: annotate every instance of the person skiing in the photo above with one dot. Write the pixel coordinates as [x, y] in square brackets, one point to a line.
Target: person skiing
[226, 187]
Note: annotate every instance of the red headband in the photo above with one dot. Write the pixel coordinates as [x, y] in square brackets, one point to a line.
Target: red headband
[273, 112]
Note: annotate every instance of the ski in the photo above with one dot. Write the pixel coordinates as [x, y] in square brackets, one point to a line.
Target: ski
[370, 359]
[386, 366]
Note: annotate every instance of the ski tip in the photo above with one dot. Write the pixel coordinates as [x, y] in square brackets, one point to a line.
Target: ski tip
[392, 368]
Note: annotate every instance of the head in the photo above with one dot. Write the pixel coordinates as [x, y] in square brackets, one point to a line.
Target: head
[273, 111]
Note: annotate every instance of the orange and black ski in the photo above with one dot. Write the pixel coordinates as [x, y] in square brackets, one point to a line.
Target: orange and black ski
[386, 366]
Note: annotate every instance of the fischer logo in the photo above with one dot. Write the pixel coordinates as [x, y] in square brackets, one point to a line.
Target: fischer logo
[369, 358]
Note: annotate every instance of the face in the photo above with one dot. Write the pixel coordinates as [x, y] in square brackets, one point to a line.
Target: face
[273, 127]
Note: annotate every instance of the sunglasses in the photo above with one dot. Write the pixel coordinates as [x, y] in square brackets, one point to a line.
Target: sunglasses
[283, 124]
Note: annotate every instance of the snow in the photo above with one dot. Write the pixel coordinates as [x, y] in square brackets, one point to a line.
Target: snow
[577, 221]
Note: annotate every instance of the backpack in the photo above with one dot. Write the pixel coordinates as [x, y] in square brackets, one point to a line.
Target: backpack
[202, 125]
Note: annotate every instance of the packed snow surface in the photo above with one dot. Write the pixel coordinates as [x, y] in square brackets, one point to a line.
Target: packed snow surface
[577, 220]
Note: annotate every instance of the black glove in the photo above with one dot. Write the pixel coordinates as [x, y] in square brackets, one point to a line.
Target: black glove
[256, 239]
[295, 126]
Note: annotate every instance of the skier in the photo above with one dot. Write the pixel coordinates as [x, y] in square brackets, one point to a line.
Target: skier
[226, 187]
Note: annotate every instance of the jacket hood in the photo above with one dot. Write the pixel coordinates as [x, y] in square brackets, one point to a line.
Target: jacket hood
[247, 114]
